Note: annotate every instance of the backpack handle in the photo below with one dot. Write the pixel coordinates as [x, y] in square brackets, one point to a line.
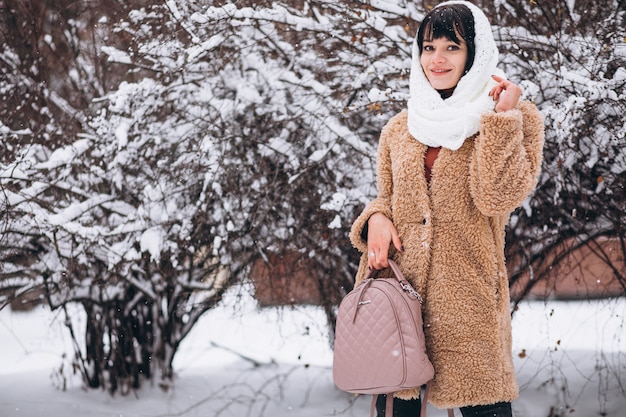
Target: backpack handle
[404, 283]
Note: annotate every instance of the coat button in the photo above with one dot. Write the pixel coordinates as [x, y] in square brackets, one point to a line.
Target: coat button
[424, 220]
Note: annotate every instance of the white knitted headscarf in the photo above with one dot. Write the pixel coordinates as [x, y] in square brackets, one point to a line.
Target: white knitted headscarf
[436, 122]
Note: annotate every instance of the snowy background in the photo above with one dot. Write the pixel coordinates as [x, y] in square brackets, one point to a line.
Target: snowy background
[244, 361]
[129, 130]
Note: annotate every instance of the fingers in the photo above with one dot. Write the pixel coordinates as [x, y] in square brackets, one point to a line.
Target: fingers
[381, 234]
[505, 93]
[395, 239]
[378, 259]
[495, 92]
[497, 89]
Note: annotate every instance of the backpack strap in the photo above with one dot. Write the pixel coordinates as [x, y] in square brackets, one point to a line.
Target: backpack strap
[389, 403]
[425, 402]
[425, 399]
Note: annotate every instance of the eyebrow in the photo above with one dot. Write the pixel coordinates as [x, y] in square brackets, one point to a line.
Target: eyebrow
[445, 38]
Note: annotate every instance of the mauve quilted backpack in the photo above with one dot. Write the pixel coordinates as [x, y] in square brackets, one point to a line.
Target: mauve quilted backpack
[379, 339]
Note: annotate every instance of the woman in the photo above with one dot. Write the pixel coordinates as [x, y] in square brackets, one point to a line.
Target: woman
[450, 170]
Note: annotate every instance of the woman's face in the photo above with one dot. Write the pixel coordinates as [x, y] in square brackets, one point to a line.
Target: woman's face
[443, 62]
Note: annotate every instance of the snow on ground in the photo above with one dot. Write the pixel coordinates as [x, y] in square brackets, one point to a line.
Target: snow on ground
[242, 361]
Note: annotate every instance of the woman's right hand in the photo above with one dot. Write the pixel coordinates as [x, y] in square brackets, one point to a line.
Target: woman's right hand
[380, 234]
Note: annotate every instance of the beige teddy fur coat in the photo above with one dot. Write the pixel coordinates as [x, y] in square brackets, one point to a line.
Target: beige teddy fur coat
[453, 235]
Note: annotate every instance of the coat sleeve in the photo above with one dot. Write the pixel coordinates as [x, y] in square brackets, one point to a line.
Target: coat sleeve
[382, 203]
[507, 159]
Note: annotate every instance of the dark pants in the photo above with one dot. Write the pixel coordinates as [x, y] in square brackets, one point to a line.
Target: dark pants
[411, 408]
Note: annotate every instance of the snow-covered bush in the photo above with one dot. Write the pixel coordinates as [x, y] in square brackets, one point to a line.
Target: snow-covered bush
[238, 131]
[155, 150]
[570, 57]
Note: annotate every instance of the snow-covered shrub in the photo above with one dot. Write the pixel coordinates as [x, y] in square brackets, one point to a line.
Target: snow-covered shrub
[570, 58]
[168, 146]
[239, 131]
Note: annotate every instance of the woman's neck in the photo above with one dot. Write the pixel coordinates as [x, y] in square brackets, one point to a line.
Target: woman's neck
[446, 93]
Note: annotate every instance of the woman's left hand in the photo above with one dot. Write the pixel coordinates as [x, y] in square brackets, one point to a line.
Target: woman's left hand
[505, 93]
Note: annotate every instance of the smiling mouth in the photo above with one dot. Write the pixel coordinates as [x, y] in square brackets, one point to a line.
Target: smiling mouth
[441, 71]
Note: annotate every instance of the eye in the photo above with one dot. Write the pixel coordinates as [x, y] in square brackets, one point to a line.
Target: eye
[428, 48]
[453, 47]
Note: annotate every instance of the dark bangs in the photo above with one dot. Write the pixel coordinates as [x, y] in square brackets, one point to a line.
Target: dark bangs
[452, 21]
